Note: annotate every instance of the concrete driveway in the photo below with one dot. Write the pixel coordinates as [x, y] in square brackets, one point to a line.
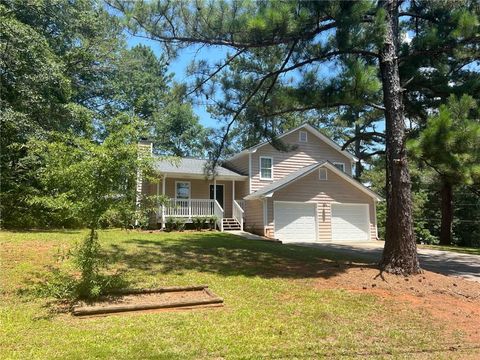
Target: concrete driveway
[443, 262]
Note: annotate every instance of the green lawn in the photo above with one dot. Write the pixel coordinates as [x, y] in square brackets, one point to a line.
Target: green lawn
[459, 249]
[272, 308]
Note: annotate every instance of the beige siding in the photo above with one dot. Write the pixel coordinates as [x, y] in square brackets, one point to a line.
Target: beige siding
[313, 151]
[240, 165]
[254, 216]
[324, 193]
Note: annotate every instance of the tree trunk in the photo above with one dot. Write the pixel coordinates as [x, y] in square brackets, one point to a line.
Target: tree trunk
[447, 213]
[400, 251]
[358, 151]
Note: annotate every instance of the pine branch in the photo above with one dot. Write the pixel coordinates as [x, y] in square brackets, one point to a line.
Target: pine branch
[220, 68]
[364, 136]
[287, 58]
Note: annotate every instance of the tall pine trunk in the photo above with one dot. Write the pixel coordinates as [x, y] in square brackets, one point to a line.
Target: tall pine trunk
[400, 251]
[447, 213]
[358, 151]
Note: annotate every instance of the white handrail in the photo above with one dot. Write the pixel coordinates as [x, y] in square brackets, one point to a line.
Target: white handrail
[238, 213]
[189, 207]
[241, 203]
[218, 210]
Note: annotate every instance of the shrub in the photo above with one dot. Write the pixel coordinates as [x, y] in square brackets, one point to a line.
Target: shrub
[212, 220]
[197, 223]
[179, 224]
[170, 224]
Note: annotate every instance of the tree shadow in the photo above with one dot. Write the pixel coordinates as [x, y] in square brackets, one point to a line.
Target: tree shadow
[227, 255]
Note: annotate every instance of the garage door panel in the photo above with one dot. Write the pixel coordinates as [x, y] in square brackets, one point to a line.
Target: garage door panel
[295, 222]
[350, 222]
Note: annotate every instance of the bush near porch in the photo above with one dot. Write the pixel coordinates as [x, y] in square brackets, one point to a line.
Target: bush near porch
[273, 306]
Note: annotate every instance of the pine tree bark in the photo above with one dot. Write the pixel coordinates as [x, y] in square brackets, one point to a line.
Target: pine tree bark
[400, 251]
[358, 152]
[447, 213]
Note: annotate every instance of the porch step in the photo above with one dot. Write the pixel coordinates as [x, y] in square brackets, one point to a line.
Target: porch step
[230, 224]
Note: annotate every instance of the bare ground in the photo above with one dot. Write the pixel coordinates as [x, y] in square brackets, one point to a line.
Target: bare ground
[451, 300]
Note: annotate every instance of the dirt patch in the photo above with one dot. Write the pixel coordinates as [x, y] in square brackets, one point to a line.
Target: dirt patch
[147, 301]
[451, 300]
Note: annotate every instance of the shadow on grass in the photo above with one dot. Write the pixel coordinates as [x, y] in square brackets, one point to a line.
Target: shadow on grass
[226, 255]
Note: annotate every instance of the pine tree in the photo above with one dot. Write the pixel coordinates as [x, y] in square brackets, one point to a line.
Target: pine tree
[450, 144]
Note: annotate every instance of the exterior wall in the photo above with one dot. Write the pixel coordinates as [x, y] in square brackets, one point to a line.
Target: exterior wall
[254, 216]
[284, 163]
[324, 193]
[199, 189]
[240, 165]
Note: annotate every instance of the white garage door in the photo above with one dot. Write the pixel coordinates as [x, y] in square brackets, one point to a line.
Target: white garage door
[295, 222]
[350, 222]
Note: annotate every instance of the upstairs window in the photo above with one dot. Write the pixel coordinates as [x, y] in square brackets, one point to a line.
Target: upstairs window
[266, 168]
[322, 174]
[302, 136]
[182, 190]
[339, 166]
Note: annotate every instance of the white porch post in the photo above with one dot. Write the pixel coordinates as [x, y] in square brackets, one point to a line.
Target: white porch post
[164, 180]
[214, 189]
[158, 202]
[233, 195]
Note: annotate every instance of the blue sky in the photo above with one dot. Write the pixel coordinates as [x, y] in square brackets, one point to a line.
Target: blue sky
[179, 66]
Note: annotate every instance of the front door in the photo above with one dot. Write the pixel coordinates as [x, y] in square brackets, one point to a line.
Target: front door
[219, 194]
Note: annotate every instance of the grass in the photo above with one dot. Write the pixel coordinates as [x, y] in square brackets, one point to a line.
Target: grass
[273, 308]
[458, 249]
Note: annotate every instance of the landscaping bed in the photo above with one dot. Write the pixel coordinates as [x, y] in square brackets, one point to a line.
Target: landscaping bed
[149, 299]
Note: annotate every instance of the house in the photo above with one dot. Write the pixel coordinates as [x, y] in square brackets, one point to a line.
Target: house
[306, 194]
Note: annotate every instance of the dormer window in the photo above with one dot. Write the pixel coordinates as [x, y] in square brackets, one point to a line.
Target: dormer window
[339, 166]
[322, 174]
[266, 168]
[302, 136]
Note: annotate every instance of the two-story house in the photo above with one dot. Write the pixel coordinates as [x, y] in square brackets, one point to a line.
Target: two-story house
[304, 195]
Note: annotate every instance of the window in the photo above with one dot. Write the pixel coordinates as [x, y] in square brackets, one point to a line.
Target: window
[182, 190]
[339, 166]
[302, 136]
[266, 168]
[322, 174]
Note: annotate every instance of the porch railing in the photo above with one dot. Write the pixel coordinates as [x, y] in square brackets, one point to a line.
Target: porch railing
[238, 213]
[218, 212]
[241, 203]
[189, 207]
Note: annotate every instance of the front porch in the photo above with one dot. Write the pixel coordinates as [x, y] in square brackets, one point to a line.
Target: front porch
[194, 193]
[188, 209]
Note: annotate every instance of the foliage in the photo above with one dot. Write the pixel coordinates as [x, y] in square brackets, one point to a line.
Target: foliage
[199, 222]
[66, 68]
[450, 143]
[169, 224]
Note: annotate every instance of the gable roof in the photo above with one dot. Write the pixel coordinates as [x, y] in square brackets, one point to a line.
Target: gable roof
[269, 189]
[194, 167]
[308, 127]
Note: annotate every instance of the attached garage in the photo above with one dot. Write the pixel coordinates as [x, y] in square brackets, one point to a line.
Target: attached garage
[295, 221]
[350, 222]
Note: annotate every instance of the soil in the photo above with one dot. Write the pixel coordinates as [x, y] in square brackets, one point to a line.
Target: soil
[450, 300]
[152, 298]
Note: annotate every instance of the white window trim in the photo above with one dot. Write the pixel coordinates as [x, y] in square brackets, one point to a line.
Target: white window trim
[326, 174]
[339, 163]
[300, 136]
[260, 167]
[189, 189]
